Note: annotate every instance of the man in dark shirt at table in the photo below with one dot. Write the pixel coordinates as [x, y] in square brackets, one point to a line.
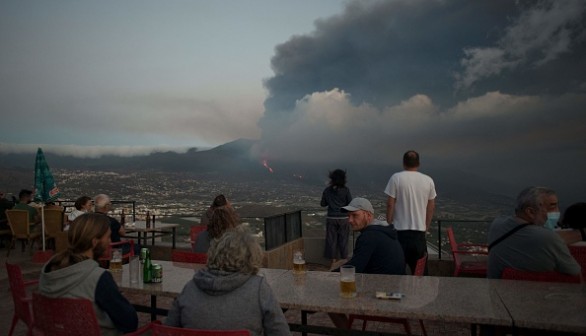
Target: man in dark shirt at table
[103, 205]
[377, 250]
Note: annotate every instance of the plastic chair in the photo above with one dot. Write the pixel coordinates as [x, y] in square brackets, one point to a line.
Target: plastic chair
[194, 232]
[419, 271]
[478, 268]
[189, 257]
[22, 309]
[579, 253]
[155, 328]
[510, 273]
[53, 222]
[20, 227]
[64, 316]
[108, 254]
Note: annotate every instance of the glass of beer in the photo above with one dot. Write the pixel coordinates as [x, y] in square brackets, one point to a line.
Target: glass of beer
[116, 260]
[347, 281]
[298, 263]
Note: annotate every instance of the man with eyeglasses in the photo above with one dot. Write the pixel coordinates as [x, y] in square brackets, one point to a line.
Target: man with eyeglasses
[522, 242]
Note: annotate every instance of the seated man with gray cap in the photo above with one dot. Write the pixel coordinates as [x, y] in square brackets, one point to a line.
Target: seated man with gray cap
[377, 250]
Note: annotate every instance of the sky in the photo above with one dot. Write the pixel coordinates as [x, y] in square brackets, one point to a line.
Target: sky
[482, 85]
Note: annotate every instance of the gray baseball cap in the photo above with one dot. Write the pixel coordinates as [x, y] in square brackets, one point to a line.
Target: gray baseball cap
[359, 203]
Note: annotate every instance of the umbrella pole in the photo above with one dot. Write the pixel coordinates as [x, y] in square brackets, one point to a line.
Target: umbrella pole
[43, 224]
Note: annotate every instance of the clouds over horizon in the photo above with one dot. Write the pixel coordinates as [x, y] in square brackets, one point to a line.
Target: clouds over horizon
[484, 83]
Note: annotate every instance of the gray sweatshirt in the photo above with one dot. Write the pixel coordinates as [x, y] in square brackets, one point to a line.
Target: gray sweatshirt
[228, 301]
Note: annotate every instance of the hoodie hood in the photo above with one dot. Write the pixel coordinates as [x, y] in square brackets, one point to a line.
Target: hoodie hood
[215, 282]
[383, 227]
[59, 282]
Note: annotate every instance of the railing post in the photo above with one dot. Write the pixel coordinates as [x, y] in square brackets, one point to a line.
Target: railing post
[439, 238]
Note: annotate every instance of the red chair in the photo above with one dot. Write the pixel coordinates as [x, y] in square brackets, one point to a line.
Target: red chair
[22, 309]
[194, 233]
[510, 273]
[155, 328]
[419, 271]
[478, 268]
[64, 316]
[189, 257]
[579, 253]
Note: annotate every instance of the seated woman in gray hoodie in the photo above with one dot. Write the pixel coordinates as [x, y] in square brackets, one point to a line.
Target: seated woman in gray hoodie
[74, 273]
[229, 295]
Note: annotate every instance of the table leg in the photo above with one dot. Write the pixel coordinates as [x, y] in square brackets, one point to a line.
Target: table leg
[153, 307]
[153, 238]
[173, 237]
[304, 321]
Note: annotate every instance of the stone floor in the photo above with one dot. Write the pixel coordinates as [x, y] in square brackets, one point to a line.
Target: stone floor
[31, 271]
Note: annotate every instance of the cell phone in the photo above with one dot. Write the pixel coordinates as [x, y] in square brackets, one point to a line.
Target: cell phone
[389, 295]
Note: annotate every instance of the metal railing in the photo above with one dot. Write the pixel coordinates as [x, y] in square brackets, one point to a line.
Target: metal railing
[283, 228]
[445, 222]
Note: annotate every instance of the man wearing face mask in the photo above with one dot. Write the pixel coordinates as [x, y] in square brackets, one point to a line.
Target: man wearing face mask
[522, 242]
[553, 210]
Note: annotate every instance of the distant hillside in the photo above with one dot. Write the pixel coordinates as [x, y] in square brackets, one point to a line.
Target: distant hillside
[232, 162]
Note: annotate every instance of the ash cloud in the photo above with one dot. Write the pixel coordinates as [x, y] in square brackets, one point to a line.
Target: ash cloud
[494, 87]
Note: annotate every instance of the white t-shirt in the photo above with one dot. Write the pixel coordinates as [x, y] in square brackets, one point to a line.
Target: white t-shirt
[411, 190]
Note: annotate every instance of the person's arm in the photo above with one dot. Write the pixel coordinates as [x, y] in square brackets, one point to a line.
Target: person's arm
[429, 213]
[390, 209]
[274, 322]
[362, 252]
[110, 300]
[324, 202]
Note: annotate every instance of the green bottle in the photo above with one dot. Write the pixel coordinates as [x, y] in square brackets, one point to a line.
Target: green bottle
[147, 270]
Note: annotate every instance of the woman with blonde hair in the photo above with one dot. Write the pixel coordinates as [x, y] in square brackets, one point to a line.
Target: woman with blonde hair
[74, 273]
[229, 294]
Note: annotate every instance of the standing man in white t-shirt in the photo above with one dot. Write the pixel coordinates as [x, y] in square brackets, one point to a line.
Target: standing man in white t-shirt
[410, 207]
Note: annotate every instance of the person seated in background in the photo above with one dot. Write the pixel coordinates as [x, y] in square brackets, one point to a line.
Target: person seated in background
[522, 242]
[82, 205]
[74, 273]
[228, 294]
[24, 198]
[103, 206]
[5, 204]
[377, 249]
[223, 218]
[219, 201]
[574, 218]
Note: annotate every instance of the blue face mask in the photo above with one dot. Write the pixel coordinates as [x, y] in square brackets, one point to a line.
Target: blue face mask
[552, 220]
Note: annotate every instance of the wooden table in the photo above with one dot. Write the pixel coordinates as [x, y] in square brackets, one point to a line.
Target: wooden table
[158, 228]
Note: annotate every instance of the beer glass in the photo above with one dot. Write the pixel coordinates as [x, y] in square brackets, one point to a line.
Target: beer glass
[298, 263]
[347, 281]
[134, 267]
[116, 260]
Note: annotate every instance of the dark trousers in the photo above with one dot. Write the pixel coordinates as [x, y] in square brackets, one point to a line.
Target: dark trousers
[414, 247]
[337, 234]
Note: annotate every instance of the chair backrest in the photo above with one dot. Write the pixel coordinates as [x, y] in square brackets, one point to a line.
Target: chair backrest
[420, 267]
[18, 221]
[61, 241]
[53, 221]
[579, 253]
[194, 233]
[189, 257]
[18, 291]
[64, 316]
[107, 255]
[453, 245]
[158, 329]
[515, 274]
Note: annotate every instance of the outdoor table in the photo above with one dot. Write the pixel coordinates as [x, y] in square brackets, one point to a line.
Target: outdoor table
[143, 231]
[447, 299]
[461, 300]
[175, 276]
[544, 305]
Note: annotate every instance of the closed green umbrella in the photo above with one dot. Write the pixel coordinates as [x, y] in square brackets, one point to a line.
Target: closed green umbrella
[45, 187]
